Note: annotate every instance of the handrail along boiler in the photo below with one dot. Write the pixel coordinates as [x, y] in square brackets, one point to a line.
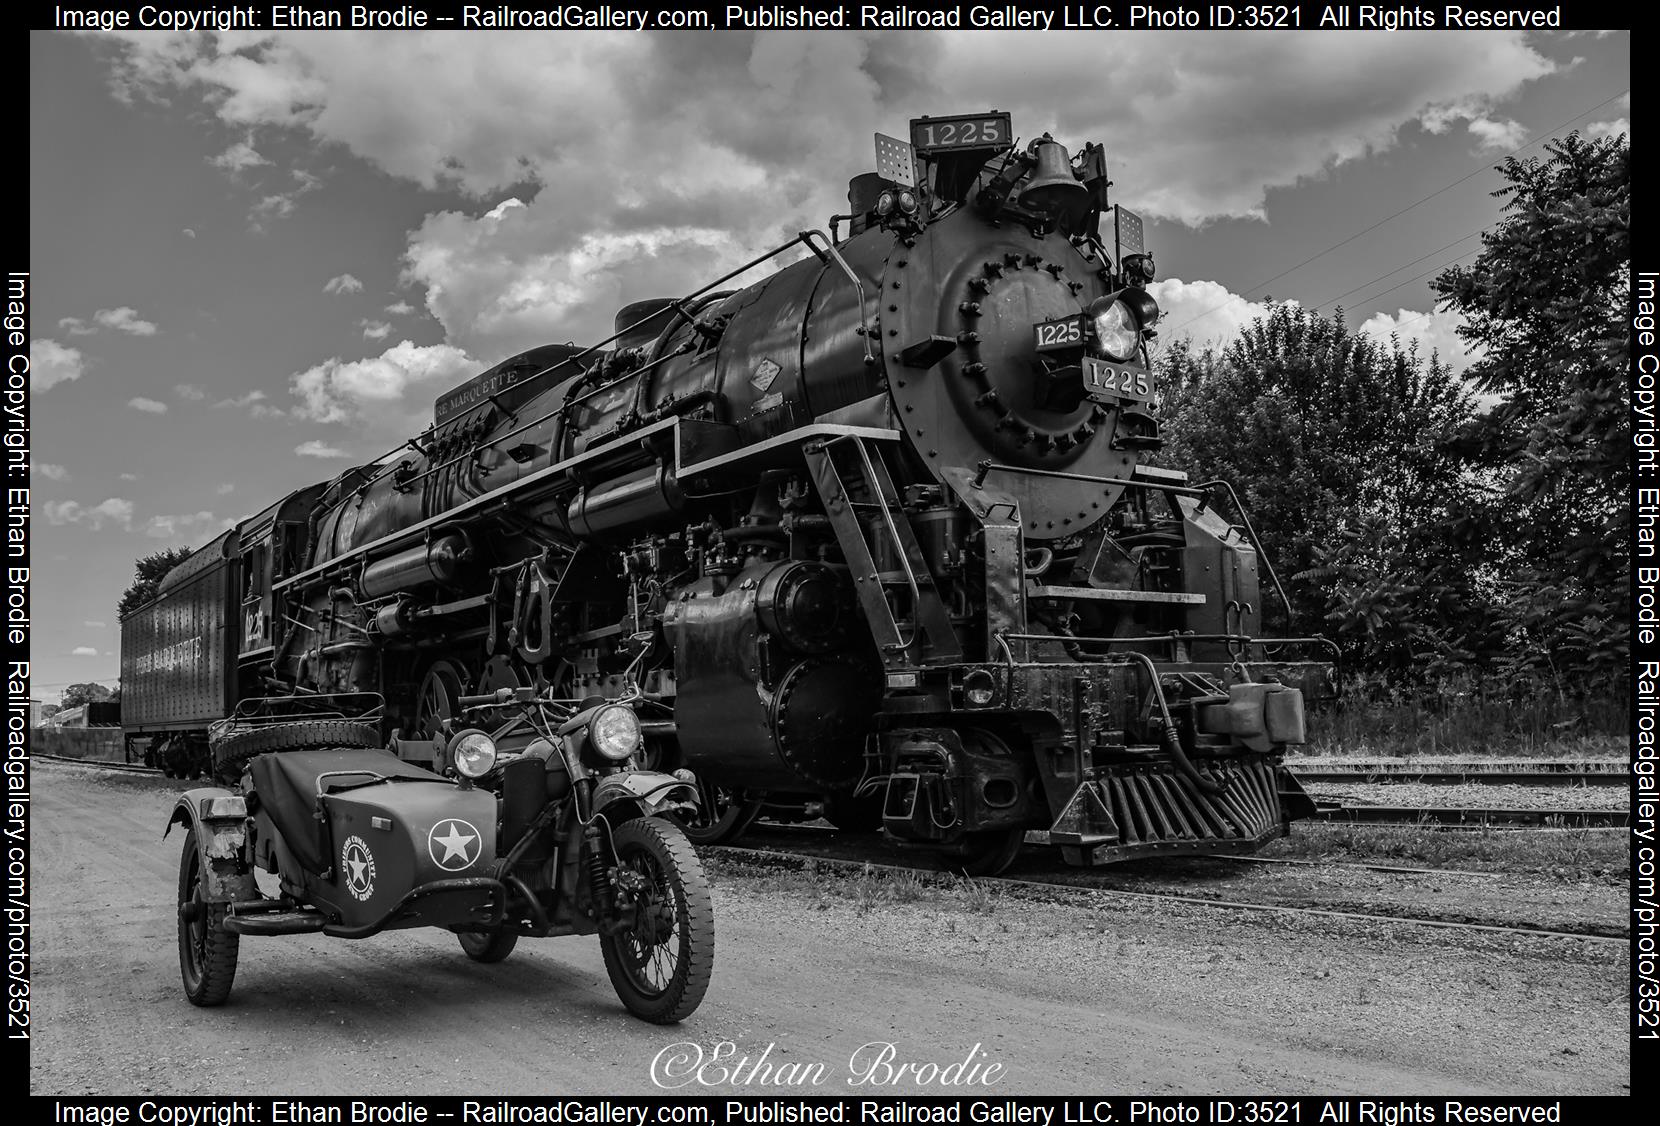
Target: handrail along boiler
[884, 515]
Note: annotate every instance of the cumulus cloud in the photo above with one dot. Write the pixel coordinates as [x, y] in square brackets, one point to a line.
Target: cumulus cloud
[247, 400]
[114, 510]
[238, 158]
[51, 363]
[226, 489]
[124, 319]
[338, 390]
[400, 309]
[1206, 312]
[1434, 332]
[49, 471]
[1596, 130]
[343, 283]
[129, 476]
[149, 406]
[186, 525]
[189, 233]
[318, 449]
[673, 157]
[83, 651]
[1500, 135]
[375, 330]
[189, 392]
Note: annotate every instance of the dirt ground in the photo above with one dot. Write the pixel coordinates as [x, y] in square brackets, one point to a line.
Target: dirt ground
[1066, 999]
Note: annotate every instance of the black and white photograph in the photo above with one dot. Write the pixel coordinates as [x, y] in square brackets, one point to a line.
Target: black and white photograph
[855, 552]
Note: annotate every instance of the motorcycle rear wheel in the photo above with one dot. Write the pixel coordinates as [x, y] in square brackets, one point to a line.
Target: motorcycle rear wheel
[207, 951]
[661, 964]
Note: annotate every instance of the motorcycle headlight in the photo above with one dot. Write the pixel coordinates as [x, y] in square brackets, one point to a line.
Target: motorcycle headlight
[1116, 329]
[615, 732]
[473, 753]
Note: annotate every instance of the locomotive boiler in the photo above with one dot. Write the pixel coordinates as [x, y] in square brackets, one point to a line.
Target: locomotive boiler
[883, 518]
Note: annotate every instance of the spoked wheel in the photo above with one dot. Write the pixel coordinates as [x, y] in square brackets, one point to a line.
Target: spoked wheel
[988, 853]
[207, 951]
[661, 962]
[492, 946]
[438, 701]
[722, 814]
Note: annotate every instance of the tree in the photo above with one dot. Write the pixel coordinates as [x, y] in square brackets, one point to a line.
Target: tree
[1341, 448]
[78, 694]
[150, 571]
[1547, 301]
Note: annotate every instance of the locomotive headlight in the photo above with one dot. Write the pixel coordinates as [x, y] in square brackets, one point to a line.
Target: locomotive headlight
[615, 732]
[979, 689]
[884, 204]
[1116, 328]
[473, 753]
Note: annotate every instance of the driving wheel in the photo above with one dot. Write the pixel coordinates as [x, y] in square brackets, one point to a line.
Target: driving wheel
[722, 814]
[436, 705]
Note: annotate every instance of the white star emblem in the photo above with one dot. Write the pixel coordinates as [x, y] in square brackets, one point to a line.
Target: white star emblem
[456, 842]
[359, 863]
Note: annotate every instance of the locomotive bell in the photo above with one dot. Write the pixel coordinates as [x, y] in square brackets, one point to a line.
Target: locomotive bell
[1050, 186]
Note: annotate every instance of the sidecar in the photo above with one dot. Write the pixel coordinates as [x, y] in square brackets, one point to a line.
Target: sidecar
[359, 841]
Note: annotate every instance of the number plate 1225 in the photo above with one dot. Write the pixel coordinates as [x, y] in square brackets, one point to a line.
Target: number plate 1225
[1056, 336]
[1101, 378]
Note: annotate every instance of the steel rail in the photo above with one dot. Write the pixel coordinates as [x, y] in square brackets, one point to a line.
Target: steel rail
[102, 764]
[1051, 888]
[1468, 817]
[1456, 775]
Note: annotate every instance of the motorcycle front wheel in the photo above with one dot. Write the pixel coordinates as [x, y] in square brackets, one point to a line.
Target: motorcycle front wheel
[207, 951]
[661, 962]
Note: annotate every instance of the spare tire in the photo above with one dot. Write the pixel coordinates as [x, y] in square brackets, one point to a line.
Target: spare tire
[234, 752]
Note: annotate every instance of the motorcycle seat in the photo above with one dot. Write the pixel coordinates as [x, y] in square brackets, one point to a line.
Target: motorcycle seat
[287, 783]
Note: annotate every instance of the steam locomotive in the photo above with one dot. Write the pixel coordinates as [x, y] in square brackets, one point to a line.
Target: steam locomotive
[883, 519]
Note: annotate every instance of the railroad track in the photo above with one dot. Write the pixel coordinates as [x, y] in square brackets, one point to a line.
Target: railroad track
[1595, 772]
[1067, 884]
[1459, 817]
[1468, 817]
[101, 764]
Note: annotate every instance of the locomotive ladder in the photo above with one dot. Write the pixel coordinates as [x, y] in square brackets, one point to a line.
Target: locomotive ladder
[862, 485]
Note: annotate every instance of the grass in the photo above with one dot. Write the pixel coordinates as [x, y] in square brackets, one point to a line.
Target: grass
[1568, 854]
[1469, 718]
[871, 889]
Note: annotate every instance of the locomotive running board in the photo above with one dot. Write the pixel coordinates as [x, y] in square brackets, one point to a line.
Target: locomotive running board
[1153, 809]
[699, 447]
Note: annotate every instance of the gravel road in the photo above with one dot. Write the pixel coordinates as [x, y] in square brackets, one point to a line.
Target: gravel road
[1067, 999]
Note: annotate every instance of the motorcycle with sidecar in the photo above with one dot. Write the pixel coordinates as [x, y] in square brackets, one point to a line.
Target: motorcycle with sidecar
[541, 822]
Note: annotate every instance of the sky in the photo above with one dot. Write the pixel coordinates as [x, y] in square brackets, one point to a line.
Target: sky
[258, 258]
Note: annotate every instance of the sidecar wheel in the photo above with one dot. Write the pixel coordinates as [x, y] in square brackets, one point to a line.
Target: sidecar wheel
[207, 951]
[492, 947]
[660, 966]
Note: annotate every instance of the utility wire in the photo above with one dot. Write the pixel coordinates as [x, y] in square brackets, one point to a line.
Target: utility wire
[1485, 166]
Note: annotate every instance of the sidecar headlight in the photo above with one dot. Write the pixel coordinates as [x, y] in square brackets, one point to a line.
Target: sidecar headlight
[473, 753]
[615, 732]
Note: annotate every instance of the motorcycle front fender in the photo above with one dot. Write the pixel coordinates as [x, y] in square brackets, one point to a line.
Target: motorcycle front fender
[220, 819]
[648, 791]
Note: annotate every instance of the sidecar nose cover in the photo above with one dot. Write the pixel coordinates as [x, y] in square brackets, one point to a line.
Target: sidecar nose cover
[286, 783]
